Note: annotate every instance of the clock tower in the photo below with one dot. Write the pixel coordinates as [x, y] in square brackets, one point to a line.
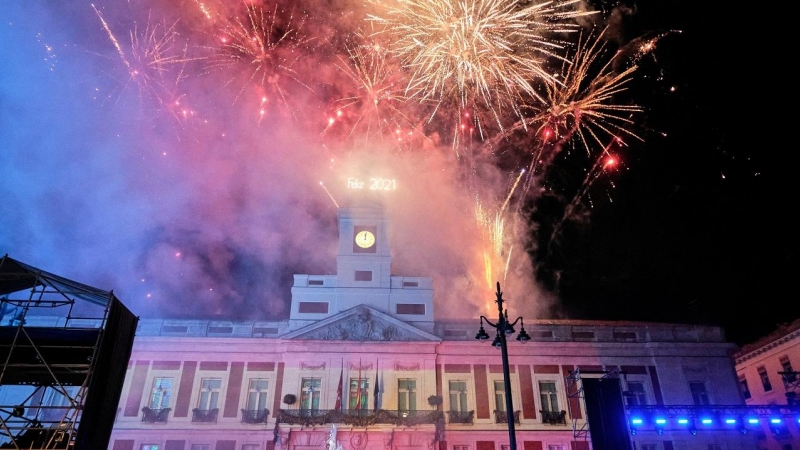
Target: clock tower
[363, 259]
[363, 278]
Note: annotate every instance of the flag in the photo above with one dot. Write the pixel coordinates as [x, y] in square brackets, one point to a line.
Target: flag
[377, 392]
[339, 391]
[358, 397]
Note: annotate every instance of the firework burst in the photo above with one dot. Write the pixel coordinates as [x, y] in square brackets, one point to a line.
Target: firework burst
[269, 45]
[488, 54]
[154, 61]
[581, 110]
[375, 107]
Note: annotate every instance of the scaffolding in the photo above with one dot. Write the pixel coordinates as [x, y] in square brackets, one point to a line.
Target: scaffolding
[575, 391]
[791, 382]
[64, 348]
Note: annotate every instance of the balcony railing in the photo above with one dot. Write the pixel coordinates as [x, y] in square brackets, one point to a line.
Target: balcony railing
[205, 415]
[501, 417]
[255, 415]
[357, 417]
[460, 416]
[554, 417]
[151, 415]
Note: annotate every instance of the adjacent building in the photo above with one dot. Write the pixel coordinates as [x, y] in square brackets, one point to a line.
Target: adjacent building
[770, 381]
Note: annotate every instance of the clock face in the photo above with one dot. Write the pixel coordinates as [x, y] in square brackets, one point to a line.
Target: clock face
[365, 239]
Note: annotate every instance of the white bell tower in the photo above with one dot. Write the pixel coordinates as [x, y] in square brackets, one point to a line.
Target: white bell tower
[364, 258]
[363, 277]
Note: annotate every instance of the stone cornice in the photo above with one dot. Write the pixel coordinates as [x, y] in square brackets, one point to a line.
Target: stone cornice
[740, 358]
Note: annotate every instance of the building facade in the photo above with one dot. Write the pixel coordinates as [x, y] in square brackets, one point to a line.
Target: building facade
[769, 380]
[362, 364]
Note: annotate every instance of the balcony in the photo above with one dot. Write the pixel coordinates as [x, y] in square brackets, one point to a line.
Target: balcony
[554, 417]
[255, 415]
[205, 415]
[357, 417]
[502, 417]
[150, 415]
[460, 416]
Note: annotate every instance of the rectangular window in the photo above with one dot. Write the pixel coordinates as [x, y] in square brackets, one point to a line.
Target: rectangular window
[220, 330]
[149, 447]
[548, 396]
[788, 376]
[250, 447]
[555, 447]
[209, 393]
[359, 393]
[406, 394]
[699, 393]
[309, 397]
[313, 307]
[363, 275]
[499, 395]
[461, 447]
[416, 309]
[57, 397]
[161, 395]
[578, 335]
[762, 373]
[60, 402]
[458, 396]
[201, 446]
[743, 386]
[649, 447]
[636, 395]
[257, 394]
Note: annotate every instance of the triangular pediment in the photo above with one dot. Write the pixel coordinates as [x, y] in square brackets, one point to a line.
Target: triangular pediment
[361, 323]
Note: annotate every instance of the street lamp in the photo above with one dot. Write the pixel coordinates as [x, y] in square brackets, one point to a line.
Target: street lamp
[504, 328]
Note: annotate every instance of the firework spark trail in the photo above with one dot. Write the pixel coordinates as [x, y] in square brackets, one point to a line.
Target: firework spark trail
[606, 162]
[493, 229]
[482, 53]
[261, 42]
[329, 194]
[113, 40]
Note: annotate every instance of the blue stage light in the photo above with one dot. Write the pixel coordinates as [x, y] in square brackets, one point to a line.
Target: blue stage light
[730, 421]
[706, 421]
[683, 421]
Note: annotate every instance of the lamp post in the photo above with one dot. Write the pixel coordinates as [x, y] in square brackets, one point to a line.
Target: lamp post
[504, 328]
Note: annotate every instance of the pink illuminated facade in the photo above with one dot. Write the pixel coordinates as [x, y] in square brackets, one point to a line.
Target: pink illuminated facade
[362, 364]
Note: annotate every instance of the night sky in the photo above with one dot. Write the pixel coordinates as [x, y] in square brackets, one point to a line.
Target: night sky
[196, 192]
[696, 233]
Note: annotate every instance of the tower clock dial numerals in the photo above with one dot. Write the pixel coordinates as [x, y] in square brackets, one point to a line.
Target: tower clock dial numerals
[365, 239]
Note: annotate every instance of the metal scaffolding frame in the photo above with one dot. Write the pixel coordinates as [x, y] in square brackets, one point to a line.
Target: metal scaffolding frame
[52, 331]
